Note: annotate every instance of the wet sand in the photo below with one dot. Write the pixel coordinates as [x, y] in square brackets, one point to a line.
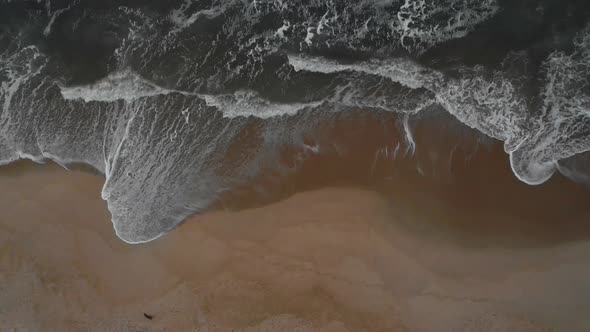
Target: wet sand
[333, 259]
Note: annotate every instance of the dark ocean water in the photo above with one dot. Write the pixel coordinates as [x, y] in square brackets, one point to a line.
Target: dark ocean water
[179, 102]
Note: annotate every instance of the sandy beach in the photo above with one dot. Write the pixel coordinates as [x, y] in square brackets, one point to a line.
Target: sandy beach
[213, 166]
[335, 259]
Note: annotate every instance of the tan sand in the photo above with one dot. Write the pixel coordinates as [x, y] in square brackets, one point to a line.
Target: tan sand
[326, 260]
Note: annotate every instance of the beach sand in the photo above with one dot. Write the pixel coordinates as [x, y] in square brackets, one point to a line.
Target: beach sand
[331, 259]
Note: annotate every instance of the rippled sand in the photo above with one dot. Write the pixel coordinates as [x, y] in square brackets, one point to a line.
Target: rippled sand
[324, 260]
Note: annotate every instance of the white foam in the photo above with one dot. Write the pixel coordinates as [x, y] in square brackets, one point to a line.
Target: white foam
[54, 16]
[284, 28]
[249, 103]
[129, 86]
[360, 94]
[182, 18]
[416, 20]
[122, 85]
[561, 128]
[576, 170]
[400, 70]
[409, 137]
[492, 106]
[415, 25]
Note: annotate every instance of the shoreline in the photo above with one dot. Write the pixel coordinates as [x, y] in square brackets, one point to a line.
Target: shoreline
[477, 191]
[451, 164]
[334, 259]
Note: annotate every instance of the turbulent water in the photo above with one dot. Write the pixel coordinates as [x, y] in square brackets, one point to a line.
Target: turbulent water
[164, 96]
